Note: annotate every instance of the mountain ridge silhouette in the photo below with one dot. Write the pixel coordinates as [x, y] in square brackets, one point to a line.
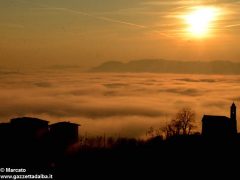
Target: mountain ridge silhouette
[169, 66]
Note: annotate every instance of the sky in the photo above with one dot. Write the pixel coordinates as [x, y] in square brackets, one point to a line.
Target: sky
[85, 33]
[125, 105]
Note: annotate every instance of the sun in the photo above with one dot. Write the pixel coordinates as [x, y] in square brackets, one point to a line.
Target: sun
[200, 21]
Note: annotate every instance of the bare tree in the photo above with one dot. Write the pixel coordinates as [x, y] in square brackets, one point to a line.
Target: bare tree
[152, 132]
[182, 124]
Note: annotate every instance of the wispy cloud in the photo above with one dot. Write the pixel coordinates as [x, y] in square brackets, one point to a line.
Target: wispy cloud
[111, 20]
[232, 25]
[107, 19]
[190, 2]
[101, 18]
[12, 25]
[167, 12]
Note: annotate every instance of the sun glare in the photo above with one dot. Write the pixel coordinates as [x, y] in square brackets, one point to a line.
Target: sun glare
[200, 21]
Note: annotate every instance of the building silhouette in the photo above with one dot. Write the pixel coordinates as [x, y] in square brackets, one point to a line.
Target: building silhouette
[32, 141]
[220, 126]
[64, 133]
[5, 130]
[28, 128]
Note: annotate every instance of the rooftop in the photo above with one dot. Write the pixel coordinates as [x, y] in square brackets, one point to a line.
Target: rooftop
[29, 120]
[215, 118]
[65, 123]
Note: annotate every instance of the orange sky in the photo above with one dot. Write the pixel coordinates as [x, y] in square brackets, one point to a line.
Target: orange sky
[85, 32]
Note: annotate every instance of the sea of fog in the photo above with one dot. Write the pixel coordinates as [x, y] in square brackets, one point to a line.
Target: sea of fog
[114, 104]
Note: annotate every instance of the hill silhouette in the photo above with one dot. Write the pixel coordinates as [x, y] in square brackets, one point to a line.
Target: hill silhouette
[167, 66]
[173, 149]
[31, 142]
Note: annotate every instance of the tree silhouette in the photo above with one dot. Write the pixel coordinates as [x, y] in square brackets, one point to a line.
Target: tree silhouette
[152, 132]
[182, 124]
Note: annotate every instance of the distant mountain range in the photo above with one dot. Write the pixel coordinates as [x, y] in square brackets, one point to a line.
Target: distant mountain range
[167, 66]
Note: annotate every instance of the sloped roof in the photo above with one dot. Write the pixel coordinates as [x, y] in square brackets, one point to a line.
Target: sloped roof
[28, 120]
[215, 118]
[65, 123]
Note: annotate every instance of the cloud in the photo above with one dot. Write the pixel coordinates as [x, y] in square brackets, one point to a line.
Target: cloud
[82, 13]
[116, 104]
[138, 14]
[101, 15]
[216, 104]
[191, 2]
[187, 91]
[115, 85]
[61, 108]
[12, 26]
[43, 84]
[197, 80]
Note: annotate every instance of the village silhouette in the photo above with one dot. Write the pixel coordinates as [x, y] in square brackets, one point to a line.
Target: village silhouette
[32, 142]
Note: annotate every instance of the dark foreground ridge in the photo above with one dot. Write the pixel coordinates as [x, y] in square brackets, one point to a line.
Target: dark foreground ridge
[31, 142]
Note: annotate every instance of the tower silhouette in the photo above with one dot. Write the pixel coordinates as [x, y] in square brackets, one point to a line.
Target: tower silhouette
[233, 117]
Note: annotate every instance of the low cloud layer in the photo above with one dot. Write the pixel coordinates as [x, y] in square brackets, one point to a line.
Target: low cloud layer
[114, 104]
